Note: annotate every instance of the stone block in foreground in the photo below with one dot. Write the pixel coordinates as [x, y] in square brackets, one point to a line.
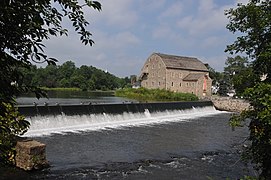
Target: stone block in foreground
[30, 155]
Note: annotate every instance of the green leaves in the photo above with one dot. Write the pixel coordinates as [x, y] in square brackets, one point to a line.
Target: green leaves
[254, 21]
[25, 23]
[259, 126]
[11, 125]
[23, 27]
[95, 4]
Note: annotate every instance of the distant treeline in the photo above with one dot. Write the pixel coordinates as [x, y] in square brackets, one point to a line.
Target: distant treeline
[68, 75]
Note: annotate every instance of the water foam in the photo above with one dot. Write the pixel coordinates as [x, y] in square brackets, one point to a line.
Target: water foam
[47, 125]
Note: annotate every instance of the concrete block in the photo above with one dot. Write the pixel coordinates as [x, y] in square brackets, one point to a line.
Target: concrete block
[30, 155]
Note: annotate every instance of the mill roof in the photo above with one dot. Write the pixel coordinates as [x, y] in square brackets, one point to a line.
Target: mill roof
[182, 62]
[193, 76]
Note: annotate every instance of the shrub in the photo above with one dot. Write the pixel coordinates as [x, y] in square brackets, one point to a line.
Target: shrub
[12, 124]
[143, 94]
[260, 127]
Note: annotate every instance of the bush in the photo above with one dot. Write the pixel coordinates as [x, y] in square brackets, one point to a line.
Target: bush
[12, 124]
[143, 94]
[260, 127]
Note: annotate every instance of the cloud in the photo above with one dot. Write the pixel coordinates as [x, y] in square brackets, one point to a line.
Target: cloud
[216, 62]
[206, 20]
[151, 5]
[242, 2]
[175, 9]
[126, 32]
[205, 6]
[212, 42]
[161, 32]
[107, 40]
[118, 13]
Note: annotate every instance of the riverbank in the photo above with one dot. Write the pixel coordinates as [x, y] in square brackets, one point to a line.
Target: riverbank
[154, 95]
[229, 104]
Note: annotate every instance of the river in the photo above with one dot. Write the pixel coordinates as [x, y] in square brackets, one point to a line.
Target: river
[191, 144]
[72, 97]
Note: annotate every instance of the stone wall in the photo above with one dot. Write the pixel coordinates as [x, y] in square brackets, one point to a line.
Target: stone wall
[30, 155]
[229, 104]
[161, 77]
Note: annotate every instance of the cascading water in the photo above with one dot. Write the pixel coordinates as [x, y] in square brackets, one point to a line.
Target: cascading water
[46, 125]
[117, 142]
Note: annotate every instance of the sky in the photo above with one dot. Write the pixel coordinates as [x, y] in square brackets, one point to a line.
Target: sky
[127, 32]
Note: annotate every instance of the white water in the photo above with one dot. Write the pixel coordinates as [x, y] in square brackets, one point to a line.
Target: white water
[47, 125]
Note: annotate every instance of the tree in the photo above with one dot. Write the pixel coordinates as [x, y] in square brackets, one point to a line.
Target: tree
[253, 21]
[244, 79]
[67, 69]
[214, 75]
[68, 75]
[239, 73]
[224, 86]
[23, 27]
[234, 65]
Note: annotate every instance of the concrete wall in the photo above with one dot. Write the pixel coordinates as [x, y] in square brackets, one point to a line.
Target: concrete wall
[108, 108]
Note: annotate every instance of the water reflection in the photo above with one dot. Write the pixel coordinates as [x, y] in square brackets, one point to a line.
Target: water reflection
[72, 97]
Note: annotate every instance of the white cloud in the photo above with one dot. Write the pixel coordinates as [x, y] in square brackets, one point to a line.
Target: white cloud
[208, 19]
[216, 62]
[104, 54]
[127, 38]
[212, 42]
[205, 6]
[175, 9]
[151, 5]
[101, 56]
[242, 2]
[119, 13]
[161, 32]
[127, 31]
[115, 41]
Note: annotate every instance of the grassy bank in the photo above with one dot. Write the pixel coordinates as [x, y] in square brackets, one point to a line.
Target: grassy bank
[143, 94]
[60, 89]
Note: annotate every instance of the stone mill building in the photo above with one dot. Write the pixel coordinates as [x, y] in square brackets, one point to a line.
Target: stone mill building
[176, 73]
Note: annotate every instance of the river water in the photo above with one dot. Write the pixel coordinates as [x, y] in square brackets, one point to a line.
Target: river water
[72, 97]
[191, 144]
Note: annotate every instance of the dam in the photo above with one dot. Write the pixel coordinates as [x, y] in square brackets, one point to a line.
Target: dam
[109, 108]
[135, 141]
[48, 119]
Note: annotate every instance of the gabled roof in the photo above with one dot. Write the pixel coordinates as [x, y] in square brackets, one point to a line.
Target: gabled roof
[181, 62]
[193, 77]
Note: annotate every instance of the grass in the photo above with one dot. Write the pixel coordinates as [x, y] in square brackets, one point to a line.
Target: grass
[143, 94]
[60, 89]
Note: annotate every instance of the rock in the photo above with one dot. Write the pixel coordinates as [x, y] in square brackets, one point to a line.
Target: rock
[30, 155]
[230, 104]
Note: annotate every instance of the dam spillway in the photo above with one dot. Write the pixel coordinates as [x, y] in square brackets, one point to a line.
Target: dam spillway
[46, 120]
[157, 140]
[134, 141]
[112, 108]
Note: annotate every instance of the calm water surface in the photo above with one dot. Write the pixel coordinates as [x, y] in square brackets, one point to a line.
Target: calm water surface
[72, 97]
